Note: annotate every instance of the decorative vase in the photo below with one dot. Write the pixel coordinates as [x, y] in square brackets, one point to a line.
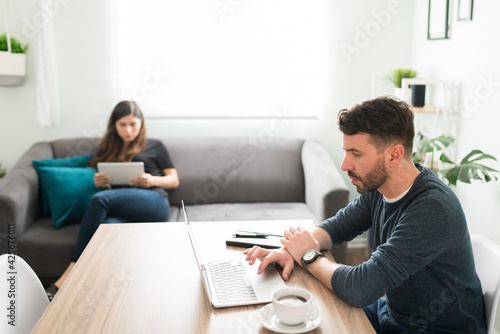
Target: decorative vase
[418, 95]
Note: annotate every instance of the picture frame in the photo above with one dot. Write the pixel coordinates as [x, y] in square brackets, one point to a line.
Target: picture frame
[465, 10]
[438, 25]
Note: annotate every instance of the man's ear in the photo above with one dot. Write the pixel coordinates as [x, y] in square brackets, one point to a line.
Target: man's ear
[396, 152]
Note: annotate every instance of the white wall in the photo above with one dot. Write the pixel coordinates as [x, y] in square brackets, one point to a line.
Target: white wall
[82, 36]
[470, 57]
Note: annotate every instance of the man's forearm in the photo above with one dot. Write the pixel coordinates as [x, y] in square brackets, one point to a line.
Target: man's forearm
[323, 270]
[323, 238]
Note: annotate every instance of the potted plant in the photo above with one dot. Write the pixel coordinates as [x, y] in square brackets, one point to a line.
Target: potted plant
[3, 171]
[467, 170]
[397, 78]
[12, 61]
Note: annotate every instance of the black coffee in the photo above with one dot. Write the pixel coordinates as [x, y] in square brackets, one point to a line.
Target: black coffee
[292, 300]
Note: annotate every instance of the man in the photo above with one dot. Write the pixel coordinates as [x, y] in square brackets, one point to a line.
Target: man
[421, 275]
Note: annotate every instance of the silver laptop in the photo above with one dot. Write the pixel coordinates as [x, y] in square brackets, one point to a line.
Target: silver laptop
[232, 282]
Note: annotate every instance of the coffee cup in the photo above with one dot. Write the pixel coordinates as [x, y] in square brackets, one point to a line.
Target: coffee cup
[292, 305]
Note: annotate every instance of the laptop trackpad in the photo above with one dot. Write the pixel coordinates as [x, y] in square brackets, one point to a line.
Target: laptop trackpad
[266, 283]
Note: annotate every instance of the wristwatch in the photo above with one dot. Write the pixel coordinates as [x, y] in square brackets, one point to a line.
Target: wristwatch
[309, 257]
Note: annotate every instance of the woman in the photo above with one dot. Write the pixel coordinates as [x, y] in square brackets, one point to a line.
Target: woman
[145, 200]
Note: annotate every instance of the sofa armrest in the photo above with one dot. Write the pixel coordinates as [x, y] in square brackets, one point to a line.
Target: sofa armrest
[326, 191]
[19, 193]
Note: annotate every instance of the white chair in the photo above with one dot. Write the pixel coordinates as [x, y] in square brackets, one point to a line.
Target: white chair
[487, 259]
[22, 292]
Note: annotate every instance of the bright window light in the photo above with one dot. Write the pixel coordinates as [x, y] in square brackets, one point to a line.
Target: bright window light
[223, 58]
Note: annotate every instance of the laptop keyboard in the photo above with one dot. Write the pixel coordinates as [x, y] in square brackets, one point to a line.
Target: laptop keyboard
[231, 282]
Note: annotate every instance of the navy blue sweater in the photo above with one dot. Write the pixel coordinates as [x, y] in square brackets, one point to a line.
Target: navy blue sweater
[422, 259]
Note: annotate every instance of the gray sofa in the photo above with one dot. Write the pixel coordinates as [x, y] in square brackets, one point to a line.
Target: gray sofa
[221, 179]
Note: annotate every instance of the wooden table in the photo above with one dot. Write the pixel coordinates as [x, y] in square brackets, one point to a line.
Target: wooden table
[143, 278]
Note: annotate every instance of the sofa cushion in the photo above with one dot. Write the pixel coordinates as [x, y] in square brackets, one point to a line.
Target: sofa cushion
[237, 170]
[48, 250]
[68, 191]
[75, 161]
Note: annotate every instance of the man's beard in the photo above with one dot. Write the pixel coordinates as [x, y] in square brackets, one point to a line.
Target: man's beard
[373, 180]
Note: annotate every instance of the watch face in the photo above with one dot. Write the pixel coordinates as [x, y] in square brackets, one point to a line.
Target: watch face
[309, 255]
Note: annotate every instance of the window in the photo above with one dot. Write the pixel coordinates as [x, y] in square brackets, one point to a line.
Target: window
[223, 58]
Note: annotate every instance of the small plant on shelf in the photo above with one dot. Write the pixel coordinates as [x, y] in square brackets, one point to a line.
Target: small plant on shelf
[467, 170]
[402, 73]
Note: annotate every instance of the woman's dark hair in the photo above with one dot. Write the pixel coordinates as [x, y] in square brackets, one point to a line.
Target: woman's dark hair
[111, 146]
[386, 119]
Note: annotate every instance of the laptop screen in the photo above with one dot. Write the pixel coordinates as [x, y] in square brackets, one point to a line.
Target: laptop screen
[191, 236]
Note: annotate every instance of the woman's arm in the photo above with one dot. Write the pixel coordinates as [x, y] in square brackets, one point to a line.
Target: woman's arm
[169, 181]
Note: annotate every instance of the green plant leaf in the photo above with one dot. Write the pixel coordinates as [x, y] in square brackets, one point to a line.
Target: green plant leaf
[444, 158]
[478, 155]
[401, 73]
[451, 175]
[435, 144]
[16, 46]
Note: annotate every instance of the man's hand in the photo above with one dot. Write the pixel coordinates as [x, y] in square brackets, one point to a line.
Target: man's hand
[267, 256]
[297, 241]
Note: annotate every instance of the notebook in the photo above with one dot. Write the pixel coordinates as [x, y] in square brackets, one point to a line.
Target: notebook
[233, 282]
[120, 173]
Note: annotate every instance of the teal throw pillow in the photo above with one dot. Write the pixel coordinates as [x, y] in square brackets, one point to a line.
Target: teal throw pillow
[75, 161]
[68, 191]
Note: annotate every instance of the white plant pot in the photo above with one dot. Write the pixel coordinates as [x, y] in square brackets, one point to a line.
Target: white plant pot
[12, 68]
[398, 92]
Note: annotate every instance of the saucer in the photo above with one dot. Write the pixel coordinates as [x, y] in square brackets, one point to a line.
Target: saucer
[270, 321]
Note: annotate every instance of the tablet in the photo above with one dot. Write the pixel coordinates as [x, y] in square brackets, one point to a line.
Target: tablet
[120, 173]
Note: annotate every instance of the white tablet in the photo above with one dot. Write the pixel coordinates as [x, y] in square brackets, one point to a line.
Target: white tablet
[120, 173]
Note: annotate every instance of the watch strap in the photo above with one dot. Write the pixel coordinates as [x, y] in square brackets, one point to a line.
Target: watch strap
[316, 256]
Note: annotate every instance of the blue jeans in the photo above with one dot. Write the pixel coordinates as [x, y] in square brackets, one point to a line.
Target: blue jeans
[120, 206]
[379, 315]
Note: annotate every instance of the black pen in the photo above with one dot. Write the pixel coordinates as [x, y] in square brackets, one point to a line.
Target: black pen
[250, 235]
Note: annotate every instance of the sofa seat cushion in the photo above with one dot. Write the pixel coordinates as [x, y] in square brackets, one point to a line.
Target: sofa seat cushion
[56, 244]
[248, 211]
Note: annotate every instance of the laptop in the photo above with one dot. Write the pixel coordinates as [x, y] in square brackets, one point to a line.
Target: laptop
[234, 282]
[120, 173]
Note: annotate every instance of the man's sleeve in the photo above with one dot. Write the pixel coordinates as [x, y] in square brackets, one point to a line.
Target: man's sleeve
[350, 221]
[414, 243]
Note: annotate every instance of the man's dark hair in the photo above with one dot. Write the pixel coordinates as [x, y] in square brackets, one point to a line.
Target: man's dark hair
[387, 120]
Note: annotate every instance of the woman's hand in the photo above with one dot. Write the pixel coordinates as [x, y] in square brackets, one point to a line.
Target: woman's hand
[101, 181]
[145, 180]
[267, 256]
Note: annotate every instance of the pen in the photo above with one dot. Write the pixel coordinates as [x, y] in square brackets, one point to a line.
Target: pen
[266, 234]
[249, 235]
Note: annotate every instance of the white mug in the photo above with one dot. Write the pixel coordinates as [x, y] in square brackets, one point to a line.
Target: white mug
[292, 305]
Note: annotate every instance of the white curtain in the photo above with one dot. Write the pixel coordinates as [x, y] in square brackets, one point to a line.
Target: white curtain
[47, 90]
